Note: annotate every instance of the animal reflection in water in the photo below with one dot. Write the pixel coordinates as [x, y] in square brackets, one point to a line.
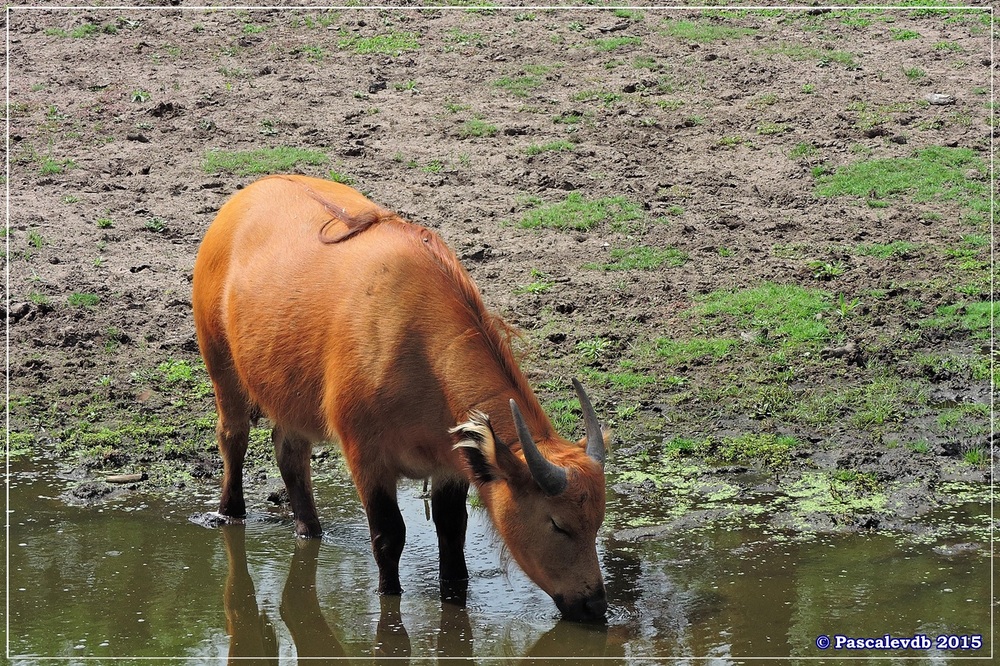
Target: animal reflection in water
[338, 319]
[253, 639]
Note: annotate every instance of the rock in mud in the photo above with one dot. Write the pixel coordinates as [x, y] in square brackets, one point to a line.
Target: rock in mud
[938, 99]
[210, 519]
[87, 492]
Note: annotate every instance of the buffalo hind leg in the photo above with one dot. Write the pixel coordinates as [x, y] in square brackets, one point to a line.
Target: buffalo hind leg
[293, 453]
[233, 433]
[450, 519]
[388, 531]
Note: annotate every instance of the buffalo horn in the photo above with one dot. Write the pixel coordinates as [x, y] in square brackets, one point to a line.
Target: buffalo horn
[550, 478]
[595, 437]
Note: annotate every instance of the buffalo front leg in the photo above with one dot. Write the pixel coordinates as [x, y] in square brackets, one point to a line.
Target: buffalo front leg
[450, 520]
[388, 531]
[293, 453]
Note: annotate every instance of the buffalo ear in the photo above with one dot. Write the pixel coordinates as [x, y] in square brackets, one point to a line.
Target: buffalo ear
[478, 444]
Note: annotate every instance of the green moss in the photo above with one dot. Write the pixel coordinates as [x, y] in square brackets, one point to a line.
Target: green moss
[824, 492]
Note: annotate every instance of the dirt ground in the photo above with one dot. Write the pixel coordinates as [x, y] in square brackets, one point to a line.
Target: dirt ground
[712, 133]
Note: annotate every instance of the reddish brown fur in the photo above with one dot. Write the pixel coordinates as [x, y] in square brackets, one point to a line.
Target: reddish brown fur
[340, 320]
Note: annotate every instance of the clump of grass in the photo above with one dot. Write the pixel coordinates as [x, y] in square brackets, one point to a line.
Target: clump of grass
[702, 31]
[390, 43]
[895, 249]
[605, 96]
[767, 128]
[51, 166]
[519, 86]
[578, 214]
[555, 146]
[786, 311]
[680, 446]
[933, 173]
[802, 151]
[341, 178]
[594, 350]
[676, 352]
[261, 161]
[540, 285]
[614, 43]
[973, 317]
[83, 300]
[642, 257]
[477, 127]
[823, 57]
[174, 371]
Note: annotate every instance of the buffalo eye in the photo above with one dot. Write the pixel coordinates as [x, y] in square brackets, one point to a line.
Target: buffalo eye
[555, 526]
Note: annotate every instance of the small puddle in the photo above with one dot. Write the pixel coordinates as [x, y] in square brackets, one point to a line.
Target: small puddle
[136, 578]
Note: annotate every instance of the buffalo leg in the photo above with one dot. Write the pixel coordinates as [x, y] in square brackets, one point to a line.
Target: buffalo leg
[233, 434]
[388, 536]
[293, 453]
[450, 519]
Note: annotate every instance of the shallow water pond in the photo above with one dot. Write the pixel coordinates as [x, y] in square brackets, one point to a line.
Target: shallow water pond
[137, 578]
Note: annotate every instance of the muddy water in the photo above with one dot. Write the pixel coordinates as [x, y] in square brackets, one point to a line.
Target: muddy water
[137, 578]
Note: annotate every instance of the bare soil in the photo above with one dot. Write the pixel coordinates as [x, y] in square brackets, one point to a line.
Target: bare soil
[718, 126]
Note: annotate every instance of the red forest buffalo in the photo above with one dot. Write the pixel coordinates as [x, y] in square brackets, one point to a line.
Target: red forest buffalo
[338, 319]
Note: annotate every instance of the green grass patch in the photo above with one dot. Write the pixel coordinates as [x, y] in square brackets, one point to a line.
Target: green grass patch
[642, 257]
[767, 128]
[883, 400]
[83, 300]
[702, 31]
[626, 379]
[477, 127]
[20, 444]
[893, 250]
[578, 214]
[931, 174]
[785, 311]
[605, 96]
[51, 166]
[262, 161]
[519, 86]
[972, 317]
[390, 43]
[615, 43]
[823, 57]
[553, 146]
[676, 352]
[803, 151]
[540, 285]
[564, 415]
